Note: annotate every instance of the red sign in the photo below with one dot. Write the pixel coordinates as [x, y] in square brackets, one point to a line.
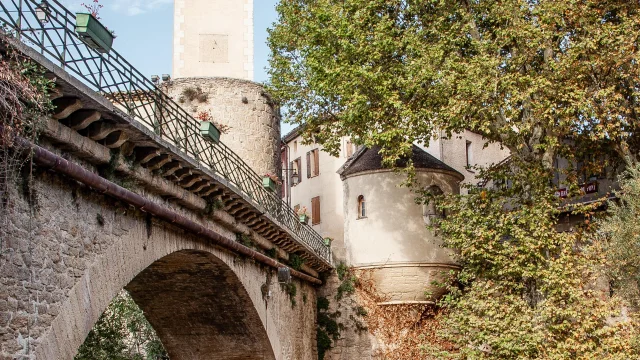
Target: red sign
[588, 188]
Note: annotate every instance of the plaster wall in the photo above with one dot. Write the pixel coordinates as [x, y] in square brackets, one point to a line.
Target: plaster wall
[213, 38]
[453, 153]
[328, 186]
[392, 240]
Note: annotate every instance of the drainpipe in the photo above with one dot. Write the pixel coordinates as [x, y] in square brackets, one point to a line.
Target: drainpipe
[49, 160]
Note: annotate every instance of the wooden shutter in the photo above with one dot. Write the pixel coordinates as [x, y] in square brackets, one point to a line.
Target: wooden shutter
[315, 210]
[308, 164]
[316, 162]
[290, 174]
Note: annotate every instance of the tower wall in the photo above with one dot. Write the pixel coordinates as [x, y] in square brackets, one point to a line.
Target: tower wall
[252, 122]
[213, 38]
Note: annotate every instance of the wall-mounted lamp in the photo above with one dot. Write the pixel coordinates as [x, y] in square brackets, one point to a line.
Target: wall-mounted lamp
[284, 275]
[295, 177]
[42, 12]
[166, 77]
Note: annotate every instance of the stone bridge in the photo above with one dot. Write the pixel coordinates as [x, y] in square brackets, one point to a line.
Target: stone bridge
[122, 192]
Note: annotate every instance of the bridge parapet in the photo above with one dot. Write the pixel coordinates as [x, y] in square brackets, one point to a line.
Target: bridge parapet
[103, 97]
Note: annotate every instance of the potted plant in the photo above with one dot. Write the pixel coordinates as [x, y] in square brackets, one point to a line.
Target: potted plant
[207, 127]
[327, 241]
[302, 215]
[91, 31]
[269, 181]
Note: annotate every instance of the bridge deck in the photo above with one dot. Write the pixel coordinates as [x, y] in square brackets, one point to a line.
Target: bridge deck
[104, 98]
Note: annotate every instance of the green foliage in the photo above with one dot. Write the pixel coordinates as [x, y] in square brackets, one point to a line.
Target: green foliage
[545, 79]
[328, 329]
[292, 290]
[272, 253]
[212, 205]
[525, 73]
[525, 290]
[347, 279]
[245, 240]
[341, 270]
[621, 231]
[295, 261]
[122, 333]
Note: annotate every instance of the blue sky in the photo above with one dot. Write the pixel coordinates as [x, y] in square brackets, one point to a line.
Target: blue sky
[145, 32]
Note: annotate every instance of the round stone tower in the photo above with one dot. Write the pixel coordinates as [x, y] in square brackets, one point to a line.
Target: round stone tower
[248, 120]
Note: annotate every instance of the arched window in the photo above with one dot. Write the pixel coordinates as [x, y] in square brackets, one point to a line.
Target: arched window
[429, 210]
[362, 209]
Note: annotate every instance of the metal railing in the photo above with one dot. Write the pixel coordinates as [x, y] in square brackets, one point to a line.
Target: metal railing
[53, 35]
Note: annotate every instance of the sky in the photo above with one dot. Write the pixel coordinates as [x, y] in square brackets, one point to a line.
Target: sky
[144, 30]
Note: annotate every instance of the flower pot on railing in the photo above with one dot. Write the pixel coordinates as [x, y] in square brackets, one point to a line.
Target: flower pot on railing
[93, 33]
[304, 218]
[268, 183]
[327, 241]
[209, 131]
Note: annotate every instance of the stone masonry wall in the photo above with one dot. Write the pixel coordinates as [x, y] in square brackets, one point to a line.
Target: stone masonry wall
[242, 105]
[62, 266]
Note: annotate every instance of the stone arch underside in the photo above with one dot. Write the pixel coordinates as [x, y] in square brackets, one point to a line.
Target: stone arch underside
[200, 309]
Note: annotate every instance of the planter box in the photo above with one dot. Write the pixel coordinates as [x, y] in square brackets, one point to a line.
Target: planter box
[304, 218]
[209, 131]
[93, 33]
[268, 183]
[327, 241]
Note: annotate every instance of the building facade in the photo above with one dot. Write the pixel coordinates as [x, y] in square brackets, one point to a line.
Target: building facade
[375, 224]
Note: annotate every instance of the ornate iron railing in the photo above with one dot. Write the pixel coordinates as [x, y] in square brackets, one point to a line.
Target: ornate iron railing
[49, 28]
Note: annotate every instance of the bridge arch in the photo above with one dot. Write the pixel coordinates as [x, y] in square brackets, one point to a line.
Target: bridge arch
[196, 295]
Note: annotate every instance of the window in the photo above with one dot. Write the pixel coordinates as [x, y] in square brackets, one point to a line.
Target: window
[469, 156]
[429, 209]
[313, 163]
[315, 210]
[295, 146]
[362, 209]
[348, 149]
[295, 167]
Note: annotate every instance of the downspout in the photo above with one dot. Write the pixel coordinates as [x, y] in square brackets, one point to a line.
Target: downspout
[51, 161]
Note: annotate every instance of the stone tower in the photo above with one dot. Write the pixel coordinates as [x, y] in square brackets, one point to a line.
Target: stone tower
[213, 73]
[213, 38]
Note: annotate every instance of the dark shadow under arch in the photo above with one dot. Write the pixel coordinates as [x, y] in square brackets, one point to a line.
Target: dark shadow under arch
[200, 309]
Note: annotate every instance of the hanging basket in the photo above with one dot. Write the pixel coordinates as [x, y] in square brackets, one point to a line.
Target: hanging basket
[93, 33]
[268, 183]
[209, 131]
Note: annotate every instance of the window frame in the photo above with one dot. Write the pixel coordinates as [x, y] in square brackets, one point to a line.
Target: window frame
[362, 207]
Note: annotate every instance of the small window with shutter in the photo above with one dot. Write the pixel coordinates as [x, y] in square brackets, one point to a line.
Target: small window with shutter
[348, 149]
[313, 163]
[315, 210]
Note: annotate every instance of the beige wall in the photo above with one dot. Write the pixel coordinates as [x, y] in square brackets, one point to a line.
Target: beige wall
[328, 186]
[213, 38]
[393, 241]
[453, 153]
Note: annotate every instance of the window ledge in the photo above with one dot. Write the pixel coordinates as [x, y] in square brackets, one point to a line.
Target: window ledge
[361, 217]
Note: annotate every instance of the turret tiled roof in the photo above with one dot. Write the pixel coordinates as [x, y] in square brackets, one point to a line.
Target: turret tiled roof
[367, 159]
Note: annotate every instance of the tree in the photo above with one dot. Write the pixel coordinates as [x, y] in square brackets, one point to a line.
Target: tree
[546, 79]
[526, 73]
[122, 333]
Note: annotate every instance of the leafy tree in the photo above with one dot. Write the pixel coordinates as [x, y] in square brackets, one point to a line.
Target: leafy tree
[122, 333]
[526, 73]
[621, 230]
[546, 79]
